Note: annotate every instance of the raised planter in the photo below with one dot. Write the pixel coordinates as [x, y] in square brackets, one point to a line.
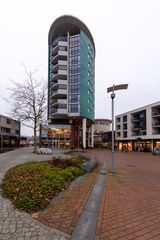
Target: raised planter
[90, 164]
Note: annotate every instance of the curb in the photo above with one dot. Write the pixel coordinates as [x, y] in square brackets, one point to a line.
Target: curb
[86, 225]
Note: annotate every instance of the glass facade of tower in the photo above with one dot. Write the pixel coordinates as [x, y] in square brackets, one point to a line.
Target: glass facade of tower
[87, 83]
[71, 76]
[71, 84]
[74, 75]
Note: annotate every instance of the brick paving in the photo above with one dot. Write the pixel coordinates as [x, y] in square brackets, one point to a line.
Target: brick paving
[130, 208]
[64, 214]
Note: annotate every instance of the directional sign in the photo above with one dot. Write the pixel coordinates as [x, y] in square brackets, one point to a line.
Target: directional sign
[117, 87]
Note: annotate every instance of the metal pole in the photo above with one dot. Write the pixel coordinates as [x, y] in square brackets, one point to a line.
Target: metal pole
[78, 137]
[112, 97]
[112, 89]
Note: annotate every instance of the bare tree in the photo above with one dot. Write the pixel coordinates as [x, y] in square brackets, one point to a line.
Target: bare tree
[28, 101]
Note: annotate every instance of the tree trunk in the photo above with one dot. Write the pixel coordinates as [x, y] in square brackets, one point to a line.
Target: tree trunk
[35, 140]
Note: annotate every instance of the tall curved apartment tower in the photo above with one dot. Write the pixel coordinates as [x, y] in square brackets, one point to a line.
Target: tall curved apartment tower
[71, 84]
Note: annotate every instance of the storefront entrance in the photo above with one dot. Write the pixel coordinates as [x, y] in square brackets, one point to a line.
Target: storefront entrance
[142, 146]
[125, 146]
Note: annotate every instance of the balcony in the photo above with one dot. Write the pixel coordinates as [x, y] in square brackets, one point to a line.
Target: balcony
[55, 84]
[156, 132]
[58, 45]
[156, 111]
[135, 128]
[54, 102]
[156, 114]
[60, 73]
[135, 119]
[62, 62]
[59, 93]
[156, 124]
[60, 54]
[59, 111]
[59, 66]
[139, 133]
[56, 58]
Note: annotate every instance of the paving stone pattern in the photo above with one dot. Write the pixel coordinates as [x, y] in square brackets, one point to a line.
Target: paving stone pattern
[64, 214]
[17, 225]
[130, 208]
[20, 226]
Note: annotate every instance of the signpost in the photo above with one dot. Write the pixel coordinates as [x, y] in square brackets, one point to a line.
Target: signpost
[112, 89]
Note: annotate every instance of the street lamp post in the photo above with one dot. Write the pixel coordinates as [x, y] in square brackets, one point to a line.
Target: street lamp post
[112, 89]
[112, 97]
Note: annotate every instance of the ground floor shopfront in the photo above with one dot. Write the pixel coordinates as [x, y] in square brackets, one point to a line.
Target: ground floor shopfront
[140, 145]
[77, 133]
[9, 141]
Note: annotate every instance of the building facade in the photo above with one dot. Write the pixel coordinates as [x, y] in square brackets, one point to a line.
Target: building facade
[139, 130]
[101, 126]
[9, 132]
[71, 84]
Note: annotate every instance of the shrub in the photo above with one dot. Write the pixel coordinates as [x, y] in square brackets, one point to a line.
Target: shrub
[31, 185]
[69, 162]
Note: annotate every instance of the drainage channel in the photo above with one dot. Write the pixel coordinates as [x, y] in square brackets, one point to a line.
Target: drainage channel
[86, 224]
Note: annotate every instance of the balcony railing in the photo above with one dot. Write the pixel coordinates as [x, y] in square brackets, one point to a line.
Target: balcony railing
[135, 128]
[59, 44]
[58, 101]
[60, 65]
[59, 111]
[157, 114]
[135, 119]
[156, 124]
[59, 53]
[58, 82]
[59, 92]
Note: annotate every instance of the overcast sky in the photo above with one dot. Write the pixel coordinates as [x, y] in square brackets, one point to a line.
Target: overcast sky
[127, 40]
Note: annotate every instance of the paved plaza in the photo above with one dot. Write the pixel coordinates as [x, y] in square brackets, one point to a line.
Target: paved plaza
[129, 209]
[15, 224]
